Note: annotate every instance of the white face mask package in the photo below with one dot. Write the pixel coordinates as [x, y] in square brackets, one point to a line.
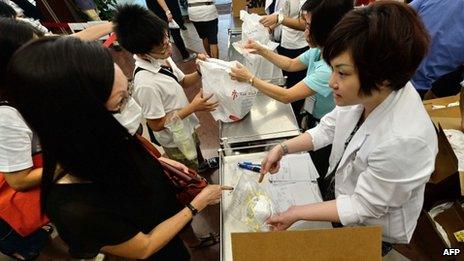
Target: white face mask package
[251, 204]
[235, 98]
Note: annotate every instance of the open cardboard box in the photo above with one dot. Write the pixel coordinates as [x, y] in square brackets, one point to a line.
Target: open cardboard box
[349, 243]
[446, 163]
[427, 242]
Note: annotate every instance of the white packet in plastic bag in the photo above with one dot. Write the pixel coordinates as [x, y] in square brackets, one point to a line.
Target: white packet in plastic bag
[251, 204]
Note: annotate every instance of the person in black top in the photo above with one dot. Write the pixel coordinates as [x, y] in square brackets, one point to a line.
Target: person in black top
[100, 187]
[168, 11]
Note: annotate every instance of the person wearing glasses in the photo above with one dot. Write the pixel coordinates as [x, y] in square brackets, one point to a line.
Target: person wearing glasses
[20, 152]
[100, 187]
[320, 16]
[159, 84]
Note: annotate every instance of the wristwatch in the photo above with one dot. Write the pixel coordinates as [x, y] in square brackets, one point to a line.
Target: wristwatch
[250, 81]
[280, 18]
[192, 209]
[284, 148]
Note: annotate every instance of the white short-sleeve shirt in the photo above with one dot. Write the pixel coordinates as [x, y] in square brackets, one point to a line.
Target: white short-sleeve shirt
[292, 39]
[17, 141]
[202, 13]
[159, 94]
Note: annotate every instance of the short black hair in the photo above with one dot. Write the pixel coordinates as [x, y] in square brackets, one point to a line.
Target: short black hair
[6, 10]
[386, 40]
[138, 29]
[325, 14]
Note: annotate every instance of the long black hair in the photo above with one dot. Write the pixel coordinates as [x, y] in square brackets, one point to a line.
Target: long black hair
[59, 86]
[7, 11]
[13, 34]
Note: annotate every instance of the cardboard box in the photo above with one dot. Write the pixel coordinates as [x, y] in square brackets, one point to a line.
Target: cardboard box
[349, 243]
[445, 184]
[446, 163]
[428, 244]
[252, 6]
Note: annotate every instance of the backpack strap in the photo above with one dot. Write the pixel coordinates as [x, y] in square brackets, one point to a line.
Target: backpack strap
[163, 70]
[150, 132]
[168, 72]
[138, 69]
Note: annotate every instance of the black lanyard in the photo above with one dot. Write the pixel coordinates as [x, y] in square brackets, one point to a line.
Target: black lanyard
[328, 184]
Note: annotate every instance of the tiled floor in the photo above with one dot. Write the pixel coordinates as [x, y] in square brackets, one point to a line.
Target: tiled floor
[208, 220]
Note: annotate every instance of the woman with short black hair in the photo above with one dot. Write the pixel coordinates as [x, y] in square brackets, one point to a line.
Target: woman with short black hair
[383, 142]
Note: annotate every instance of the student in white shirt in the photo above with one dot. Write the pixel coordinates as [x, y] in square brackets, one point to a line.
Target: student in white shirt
[204, 15]
[158, 83]
[384, 144]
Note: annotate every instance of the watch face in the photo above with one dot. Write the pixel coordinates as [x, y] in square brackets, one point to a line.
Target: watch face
[192, 209]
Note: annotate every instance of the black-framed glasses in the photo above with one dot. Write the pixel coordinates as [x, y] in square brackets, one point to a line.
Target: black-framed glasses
[166, 43]
[125, 100]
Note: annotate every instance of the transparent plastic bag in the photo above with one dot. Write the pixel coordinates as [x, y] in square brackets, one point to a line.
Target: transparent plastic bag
[251, 204]
[181, 135]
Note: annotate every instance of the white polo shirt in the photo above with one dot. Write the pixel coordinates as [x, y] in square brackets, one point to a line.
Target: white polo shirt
[291, 38]
[202, 13]
[159, 94]
[17, 141]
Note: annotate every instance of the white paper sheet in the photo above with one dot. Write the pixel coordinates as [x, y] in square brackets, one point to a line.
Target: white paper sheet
[295, 167]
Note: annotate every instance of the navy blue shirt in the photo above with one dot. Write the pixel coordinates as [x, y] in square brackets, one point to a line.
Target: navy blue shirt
[444, 20]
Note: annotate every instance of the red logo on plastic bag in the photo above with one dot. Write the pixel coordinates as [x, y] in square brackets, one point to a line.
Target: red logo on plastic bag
[234, 118]
[234, 94]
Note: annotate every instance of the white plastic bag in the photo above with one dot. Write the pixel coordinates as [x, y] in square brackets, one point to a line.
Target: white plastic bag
[173, 24]
[235, 98]
[254, 30]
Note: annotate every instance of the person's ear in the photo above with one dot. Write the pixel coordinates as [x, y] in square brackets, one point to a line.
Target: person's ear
[384, 84]
[143, 56]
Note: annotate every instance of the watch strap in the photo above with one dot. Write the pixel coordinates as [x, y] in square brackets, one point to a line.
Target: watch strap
[192, 209]
[284, 147]
[280, 18]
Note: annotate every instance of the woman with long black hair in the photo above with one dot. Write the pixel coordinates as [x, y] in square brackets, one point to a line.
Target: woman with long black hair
[100, 187]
